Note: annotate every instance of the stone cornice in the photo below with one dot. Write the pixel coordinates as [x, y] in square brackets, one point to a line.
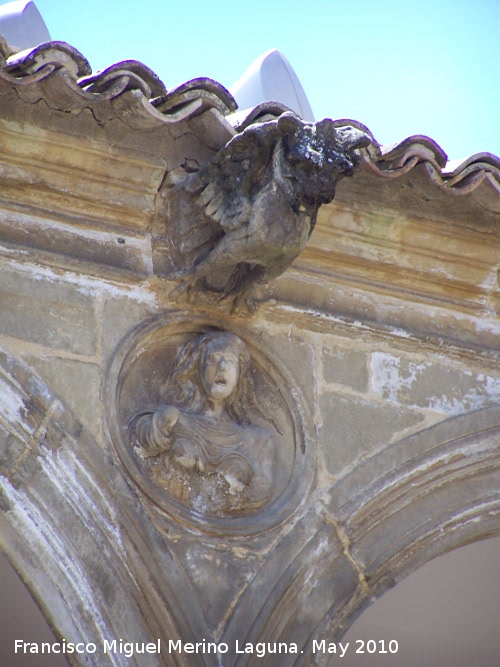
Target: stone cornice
[151, 105]
[368, 265]
[409, 226]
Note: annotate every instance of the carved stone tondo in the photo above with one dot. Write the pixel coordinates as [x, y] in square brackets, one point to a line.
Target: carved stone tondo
[208, 428]
[202, 445]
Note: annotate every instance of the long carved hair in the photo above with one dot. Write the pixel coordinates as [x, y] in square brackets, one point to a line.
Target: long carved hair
[183, 385]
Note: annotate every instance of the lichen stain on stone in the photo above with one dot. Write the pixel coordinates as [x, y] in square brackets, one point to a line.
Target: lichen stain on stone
[12, 407]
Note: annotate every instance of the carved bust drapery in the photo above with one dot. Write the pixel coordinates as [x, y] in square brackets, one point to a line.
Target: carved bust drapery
[200, 445]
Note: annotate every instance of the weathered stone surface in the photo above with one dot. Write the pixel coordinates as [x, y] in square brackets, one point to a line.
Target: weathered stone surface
[202, 446]
[97, 191]
[161, 406]
[247, 214]
[75, 381]
[11, 450]
[121, 314]
[386, 324]
[217, 575]
[80, 245]
[419, 496]
[285, 343]
[430, 384]
[353, 429]
[346, 367]
[42, 308]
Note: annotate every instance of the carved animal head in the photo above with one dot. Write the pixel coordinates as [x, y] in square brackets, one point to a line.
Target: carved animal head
[312, 157]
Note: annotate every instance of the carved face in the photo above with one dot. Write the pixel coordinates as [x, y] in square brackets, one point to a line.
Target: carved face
[313, 158]
[220, 370]
[305, 184]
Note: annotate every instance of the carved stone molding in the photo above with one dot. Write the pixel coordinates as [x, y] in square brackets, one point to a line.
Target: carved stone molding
[417, 499]
[232, 465]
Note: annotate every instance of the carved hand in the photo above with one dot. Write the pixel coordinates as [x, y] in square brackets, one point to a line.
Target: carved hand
[166, 418]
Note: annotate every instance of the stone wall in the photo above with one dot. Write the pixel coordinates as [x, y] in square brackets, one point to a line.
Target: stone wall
[366, 389]
[377, 350]
[377, 400]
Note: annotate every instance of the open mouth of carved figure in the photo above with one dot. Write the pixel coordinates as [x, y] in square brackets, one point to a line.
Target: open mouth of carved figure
[220, 381]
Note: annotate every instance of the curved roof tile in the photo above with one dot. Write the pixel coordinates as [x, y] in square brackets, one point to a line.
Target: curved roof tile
[138, 76]
[35, 66]
[50, 55]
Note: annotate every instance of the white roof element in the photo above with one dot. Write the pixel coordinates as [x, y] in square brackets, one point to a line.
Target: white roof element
[22, 25]
[272, 78]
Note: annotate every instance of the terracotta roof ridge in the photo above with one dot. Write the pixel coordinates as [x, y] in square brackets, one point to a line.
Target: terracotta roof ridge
[484, 158]
[457, 177]
[201, 87]
[148, 103]
[148, 99]
[144, 78]
[56, 54]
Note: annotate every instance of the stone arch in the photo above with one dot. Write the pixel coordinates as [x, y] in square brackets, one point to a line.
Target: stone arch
[415, 500]
[444, 611]
[81, 553]
[430, 493]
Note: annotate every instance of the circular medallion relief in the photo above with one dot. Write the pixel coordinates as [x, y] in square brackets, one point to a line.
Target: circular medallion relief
[208, 426]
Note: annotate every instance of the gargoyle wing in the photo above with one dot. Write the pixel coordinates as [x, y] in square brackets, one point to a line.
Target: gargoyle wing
[218, 198]
[227, 185]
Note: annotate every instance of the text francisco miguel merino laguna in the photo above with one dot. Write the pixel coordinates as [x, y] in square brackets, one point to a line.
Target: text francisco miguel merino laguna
[130, 649]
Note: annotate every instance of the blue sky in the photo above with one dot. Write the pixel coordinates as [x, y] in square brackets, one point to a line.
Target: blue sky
[400, 68]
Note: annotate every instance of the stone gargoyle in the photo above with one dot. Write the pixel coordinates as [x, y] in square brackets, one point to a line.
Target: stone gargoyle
[249, 212]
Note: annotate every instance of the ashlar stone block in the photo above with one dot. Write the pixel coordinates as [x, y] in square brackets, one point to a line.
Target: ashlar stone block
[431, 385]
[346, 367]
[354, 428]
[77, 382]
[42, 308]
